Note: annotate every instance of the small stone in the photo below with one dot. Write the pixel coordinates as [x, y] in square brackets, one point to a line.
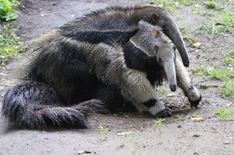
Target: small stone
[179, 126]
[226, 142]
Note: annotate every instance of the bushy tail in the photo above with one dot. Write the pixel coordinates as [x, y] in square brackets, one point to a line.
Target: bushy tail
[34, 105]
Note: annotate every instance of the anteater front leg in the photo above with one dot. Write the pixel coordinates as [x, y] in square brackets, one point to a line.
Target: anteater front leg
[186, 85]
[136, 88]
[109, 65]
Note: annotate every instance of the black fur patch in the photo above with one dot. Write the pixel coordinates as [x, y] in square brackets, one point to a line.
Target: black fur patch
[164, 113]
[108, 37]
[195, 103]
[136, 59]
[150, 103]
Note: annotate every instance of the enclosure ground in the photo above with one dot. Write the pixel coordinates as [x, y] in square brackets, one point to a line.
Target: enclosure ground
[124, 133]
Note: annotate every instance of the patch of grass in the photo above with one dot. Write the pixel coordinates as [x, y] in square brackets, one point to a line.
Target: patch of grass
[7, 11]
[225, 74]
[229, 59]
[161, 90]
[223, 23]
[10, 43]
[187, 35]
[181, 117]
[171, 5]
[187, 2]
[224, 114]
[204, 85]
[159, 124]
[210, 4]
[103, 131]
[199, 10]
[227, 88]
[207, 27]
[216, 73]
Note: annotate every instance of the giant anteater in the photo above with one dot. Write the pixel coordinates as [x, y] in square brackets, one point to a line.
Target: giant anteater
[104, 58]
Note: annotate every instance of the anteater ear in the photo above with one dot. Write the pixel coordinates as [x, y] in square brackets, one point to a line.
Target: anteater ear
[154, 18]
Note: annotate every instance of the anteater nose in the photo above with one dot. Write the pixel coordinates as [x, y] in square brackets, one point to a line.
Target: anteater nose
[173, 87]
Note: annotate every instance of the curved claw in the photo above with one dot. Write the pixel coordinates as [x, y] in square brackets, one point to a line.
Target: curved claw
[164, 113]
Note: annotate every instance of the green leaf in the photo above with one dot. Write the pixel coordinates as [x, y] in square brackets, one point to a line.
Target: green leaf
[228, 59]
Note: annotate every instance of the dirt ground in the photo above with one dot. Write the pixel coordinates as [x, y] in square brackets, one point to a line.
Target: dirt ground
[122, 134]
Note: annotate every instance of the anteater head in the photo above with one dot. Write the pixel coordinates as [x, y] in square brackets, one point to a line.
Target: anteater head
[160, 17]
[153, 42]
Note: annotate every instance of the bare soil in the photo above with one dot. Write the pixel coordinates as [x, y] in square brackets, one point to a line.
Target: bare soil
[126, 133]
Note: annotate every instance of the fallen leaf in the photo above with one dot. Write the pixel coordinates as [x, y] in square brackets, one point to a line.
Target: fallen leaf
[171, 95]
[197, 44]
[197, 119]
[124, 133]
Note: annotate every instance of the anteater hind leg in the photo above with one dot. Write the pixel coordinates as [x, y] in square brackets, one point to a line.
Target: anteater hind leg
[186, 85]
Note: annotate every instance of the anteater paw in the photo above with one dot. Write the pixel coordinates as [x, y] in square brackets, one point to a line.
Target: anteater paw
[194, 104]
[164, 113]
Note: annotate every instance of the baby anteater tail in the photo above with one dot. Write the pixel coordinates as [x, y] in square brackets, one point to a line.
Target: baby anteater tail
[34, 105]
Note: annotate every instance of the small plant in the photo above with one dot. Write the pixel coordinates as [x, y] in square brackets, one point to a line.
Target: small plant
[207, 27]
[10, 43]
[186, 2]
[224, 114]
[103, 131]
[227, 88]
[229, 58]
[169, 5]
[195, 135]
[210, 4]
[182, 117]
[162, 90]
[7, 11]
[159, 124]
[218, 73]
[204, 85]
[187, 35]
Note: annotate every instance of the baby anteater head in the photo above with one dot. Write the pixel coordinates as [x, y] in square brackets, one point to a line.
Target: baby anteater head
[153, 42]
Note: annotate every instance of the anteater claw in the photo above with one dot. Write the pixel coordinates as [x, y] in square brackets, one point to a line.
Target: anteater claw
[164, 113]
[194, 104]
